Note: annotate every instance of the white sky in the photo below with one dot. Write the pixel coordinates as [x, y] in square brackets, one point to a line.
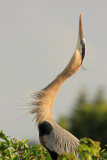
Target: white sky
[37, 40]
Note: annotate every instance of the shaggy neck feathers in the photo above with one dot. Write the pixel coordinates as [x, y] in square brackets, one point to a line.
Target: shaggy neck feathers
[43, 99]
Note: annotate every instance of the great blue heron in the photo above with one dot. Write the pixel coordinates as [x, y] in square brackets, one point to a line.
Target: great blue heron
[54, 138]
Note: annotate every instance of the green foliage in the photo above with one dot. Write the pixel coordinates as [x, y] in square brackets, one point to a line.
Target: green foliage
[66, 156]
[89, 118]
[89, 149]
[103, 154]
[12, 149]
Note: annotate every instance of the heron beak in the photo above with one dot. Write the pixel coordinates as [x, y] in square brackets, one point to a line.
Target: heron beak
[81, 35]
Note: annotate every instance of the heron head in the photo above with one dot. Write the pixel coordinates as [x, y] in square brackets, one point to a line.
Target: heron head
[81, 41]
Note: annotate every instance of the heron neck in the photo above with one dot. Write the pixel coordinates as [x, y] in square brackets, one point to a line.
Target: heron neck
[53, 88]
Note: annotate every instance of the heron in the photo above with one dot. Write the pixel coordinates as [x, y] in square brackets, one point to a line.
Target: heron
[54, 138]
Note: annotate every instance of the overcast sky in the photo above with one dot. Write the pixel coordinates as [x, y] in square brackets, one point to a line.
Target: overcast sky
[37, 40]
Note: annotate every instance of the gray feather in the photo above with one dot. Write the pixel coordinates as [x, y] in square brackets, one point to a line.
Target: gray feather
[60, 141]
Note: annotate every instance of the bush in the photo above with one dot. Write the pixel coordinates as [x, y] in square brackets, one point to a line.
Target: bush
[12, 149]
[88, 118]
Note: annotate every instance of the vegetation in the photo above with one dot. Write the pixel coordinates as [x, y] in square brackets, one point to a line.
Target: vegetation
[89, 118]
[12, 149]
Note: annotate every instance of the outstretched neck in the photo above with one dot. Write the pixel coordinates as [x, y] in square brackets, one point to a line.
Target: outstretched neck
[71, 68]
[43, 100]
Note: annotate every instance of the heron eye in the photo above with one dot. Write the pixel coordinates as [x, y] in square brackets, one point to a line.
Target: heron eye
[81, 42]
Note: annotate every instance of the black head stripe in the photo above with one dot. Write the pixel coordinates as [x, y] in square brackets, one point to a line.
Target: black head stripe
[83, 51]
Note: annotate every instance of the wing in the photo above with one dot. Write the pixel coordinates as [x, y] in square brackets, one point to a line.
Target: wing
[60, 141]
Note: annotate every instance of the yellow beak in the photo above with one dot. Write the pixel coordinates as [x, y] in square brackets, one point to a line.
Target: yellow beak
[81, 35]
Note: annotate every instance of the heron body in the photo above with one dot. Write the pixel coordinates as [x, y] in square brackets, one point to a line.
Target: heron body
[54, 138]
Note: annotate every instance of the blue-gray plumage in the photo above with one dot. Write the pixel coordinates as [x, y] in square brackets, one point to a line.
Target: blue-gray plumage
[54, 138]
[58, 140]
